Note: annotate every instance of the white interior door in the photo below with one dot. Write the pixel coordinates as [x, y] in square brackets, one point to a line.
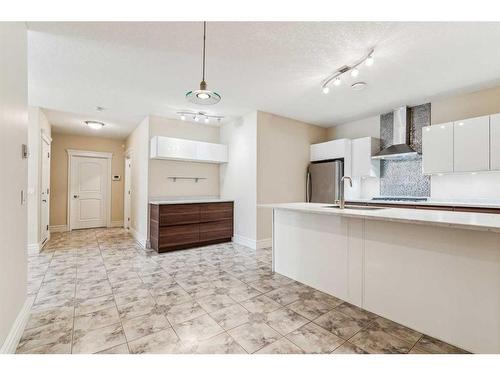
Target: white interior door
[45, 191]
[89, 192]
[126, 195]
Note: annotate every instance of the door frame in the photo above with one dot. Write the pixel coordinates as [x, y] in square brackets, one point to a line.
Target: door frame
[127, 197]
[90, 154]
[44, 138]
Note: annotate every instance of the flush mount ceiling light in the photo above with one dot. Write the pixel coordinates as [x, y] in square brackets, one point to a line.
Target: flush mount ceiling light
[336, 79]
[203, 96]
[196, 116]
[358, 86]
[96, 125]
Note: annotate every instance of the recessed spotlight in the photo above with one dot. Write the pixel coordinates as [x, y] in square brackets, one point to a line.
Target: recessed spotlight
[96, 125]
[207, 120]
[196, 118]
[337, 81]
[358, 86]
[354, 72]
[183, 117]
[326, 90]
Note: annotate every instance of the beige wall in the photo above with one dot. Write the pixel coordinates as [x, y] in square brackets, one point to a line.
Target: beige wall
[59, 172]
[367, 127]
[137, 149]
[159, 185]
[283, 148]
[238, 178]
[459, 107]
[13, 213]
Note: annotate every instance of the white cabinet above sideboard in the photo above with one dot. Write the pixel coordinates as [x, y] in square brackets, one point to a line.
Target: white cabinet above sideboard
[168, 148]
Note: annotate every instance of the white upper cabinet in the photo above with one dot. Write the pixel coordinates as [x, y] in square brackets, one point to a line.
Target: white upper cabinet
[335, 149]
[362, 150]
[187, 150]
[437, 148]
[495, 142]
[472, 144]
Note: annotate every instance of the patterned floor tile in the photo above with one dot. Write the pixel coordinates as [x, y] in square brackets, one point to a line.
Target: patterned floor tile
[315, 340]
[98, 291]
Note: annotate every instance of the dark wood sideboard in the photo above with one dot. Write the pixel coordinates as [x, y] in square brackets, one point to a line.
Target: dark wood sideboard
[186, 225]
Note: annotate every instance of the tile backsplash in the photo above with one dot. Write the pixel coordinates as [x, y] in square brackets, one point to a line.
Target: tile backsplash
[404, 177]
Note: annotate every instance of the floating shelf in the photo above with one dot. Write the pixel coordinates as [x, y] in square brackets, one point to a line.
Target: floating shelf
[196, 179]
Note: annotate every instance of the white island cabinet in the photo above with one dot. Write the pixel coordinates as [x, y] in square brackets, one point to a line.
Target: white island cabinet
[437, 272]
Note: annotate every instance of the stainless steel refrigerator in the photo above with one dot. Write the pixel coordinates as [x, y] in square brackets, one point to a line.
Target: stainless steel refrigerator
[323, 181]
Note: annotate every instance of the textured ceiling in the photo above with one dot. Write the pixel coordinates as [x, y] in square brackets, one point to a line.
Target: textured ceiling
[136, 69]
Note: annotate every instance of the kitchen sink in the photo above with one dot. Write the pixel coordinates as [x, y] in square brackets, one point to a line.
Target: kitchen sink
[357, 207]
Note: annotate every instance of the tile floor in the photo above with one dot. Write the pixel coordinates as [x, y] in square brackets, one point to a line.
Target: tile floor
[97, 291]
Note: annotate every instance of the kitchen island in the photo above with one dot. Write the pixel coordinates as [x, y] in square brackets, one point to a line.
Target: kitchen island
[437, 272]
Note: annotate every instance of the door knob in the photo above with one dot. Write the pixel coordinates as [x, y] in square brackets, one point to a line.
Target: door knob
[75, 196]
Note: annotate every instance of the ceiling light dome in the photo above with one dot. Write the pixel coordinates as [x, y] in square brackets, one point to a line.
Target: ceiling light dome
[203, 96]
[96, 125]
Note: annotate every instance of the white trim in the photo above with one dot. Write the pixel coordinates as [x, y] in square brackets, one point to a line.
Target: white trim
[251, 243]
[12, 340]
[46, 138]
[89, 154]
[245, 241]
[266, 242]
[58, 228]
[141, 240]
[117, 224]
[34, 248]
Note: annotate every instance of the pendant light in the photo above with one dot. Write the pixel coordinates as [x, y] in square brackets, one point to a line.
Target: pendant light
[203, 96]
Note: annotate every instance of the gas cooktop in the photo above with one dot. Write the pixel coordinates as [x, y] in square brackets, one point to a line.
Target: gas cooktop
[401, 199]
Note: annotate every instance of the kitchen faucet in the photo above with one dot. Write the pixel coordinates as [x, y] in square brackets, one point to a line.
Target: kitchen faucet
[342, 194]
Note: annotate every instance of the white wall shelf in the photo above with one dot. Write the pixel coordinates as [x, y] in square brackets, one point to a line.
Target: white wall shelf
[167, 148]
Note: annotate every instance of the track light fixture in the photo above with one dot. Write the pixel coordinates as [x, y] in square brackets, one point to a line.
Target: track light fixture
[197, 116]
[335, 78]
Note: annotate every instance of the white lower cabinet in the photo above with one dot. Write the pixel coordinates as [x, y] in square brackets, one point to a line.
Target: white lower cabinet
[472, 145]
[495, 142]
[437, 148]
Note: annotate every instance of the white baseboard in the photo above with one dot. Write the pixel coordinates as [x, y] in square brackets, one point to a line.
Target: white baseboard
[117, 224]
[58, 228]
[141, 240]
[33, 248]
[266, 242]
[251, 243]
[12, 341]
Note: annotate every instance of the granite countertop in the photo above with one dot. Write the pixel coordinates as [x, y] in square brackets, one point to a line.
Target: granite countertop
[483, 203]
[189, 200]
[454, 219]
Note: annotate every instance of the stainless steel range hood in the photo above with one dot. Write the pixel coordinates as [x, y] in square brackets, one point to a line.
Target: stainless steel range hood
[400, 148]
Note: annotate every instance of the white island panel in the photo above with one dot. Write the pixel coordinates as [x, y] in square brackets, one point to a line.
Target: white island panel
[442, 281]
